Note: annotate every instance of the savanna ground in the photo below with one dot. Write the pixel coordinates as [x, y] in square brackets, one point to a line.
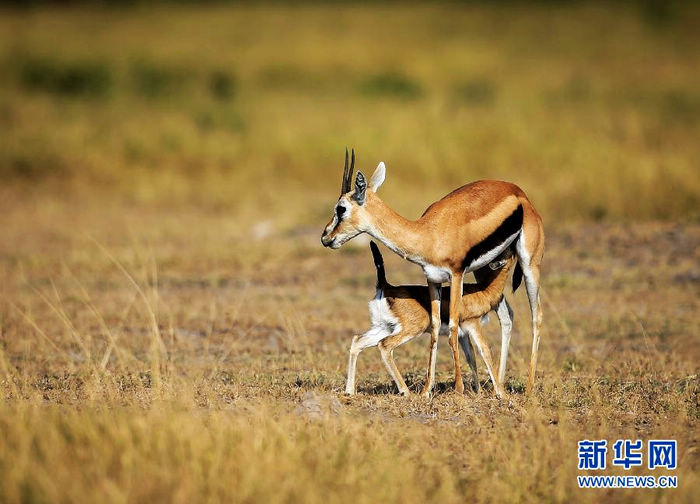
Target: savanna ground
[171, 329]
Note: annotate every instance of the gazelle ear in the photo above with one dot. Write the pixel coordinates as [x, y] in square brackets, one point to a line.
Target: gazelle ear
[360, 188]
[378, 177]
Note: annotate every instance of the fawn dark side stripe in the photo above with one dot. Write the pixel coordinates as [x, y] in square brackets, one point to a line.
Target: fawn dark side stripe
[510, 225]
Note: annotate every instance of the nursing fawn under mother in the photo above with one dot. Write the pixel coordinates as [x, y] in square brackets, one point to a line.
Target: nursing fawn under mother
[461, 233]
[399, 313]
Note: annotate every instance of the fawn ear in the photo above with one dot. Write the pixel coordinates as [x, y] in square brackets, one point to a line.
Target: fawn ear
[378, 177]
[360, 188]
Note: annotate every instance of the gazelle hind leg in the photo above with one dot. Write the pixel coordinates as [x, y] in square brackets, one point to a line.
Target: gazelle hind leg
[352, 366]
[387, 353]
[505, 318]
[359, 343]
[474, 330]
[529, 259]
[466, 344]
[533, 293]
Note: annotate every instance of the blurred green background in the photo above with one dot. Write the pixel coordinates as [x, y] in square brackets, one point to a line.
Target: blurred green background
[593, 108]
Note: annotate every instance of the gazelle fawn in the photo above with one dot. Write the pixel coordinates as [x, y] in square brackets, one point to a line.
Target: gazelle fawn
[463, 232]
[400, 313]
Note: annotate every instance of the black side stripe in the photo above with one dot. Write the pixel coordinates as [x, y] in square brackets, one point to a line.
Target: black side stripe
[517, 276]
[510, 225]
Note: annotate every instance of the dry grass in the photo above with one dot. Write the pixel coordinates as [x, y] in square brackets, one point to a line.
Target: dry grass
[234, 394]
[587, 98]
[171, 329]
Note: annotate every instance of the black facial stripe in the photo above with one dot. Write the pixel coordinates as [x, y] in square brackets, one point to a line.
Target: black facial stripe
[510, 225]
[340, 210]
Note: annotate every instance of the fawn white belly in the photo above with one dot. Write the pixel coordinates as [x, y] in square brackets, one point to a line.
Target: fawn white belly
[384, 323]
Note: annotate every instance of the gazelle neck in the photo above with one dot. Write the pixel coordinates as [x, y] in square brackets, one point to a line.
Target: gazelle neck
[401, 235]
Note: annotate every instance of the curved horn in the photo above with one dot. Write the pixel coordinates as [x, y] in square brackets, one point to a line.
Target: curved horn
[352, 167]
[347, 173]
[344, 184]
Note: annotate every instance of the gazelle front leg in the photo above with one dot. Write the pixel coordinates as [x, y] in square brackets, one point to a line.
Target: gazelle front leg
[455, 303]
[435, 292]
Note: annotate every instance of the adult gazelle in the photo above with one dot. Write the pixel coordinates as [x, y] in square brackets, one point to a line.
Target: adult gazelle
[461, 233]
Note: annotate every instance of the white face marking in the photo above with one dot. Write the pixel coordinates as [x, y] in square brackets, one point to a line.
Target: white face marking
[330, 227]
[345, 209]
[341, 211]
[346, 205]
[342, 238]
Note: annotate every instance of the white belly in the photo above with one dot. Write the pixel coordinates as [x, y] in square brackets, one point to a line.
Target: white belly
[435, 274]
[492, 254]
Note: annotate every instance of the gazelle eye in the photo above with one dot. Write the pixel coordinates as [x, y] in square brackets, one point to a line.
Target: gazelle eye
[340, 210]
